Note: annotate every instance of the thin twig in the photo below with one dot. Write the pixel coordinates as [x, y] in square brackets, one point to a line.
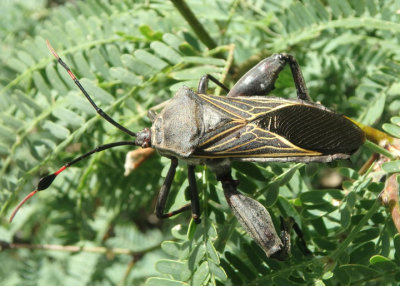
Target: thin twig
[228, 64]
[73, 248]
[127, 271]
[194, 23]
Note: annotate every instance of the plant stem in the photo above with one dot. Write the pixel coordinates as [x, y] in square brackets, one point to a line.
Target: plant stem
[378, 149]
[73, 248]
[127, 271]
[355, 231]
[194, 23]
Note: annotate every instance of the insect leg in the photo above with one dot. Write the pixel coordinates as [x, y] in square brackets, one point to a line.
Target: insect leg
[164, 191]
[194, 195]
[253, 217]
[299, 82]
[203, 84]
[286, 226]
[261, 78]
[283, 253]
[302, 241]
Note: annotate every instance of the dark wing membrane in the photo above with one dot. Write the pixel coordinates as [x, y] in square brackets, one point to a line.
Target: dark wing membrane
[252, 141]
[274, 127]
[246, 109]
[314, 129]
[224, 130]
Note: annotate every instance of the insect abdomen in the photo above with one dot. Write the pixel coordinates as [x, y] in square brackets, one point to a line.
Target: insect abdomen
[314, 129]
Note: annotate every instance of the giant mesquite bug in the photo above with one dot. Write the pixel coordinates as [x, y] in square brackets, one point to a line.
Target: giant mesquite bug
[245, 125]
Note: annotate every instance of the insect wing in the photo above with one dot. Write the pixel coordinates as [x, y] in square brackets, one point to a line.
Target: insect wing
[252, 141]
[260, 127]
[241, 135]
[246, 109]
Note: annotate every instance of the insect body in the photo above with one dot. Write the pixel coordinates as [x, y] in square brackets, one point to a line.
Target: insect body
[253, 128]
[213, 130]
[245, 125]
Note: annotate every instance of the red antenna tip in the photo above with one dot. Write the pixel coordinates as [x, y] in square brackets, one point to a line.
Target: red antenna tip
[20, 205]
[52, 50]
[43, 184]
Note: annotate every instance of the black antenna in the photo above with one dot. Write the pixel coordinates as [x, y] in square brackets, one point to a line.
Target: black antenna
[45, 182]
[78, 84]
